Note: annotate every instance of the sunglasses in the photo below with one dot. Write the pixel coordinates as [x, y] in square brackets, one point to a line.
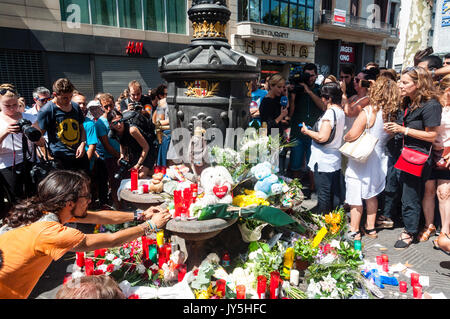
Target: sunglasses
[3, 91]
[108, 106]
[116, 122]
[44, 99]
[88, 196]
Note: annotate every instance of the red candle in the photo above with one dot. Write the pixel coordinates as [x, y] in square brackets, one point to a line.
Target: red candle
[163, 170]
[157, 169]
[181, 272]
[194, 189]
[80, 259]
[134, 179]
[187, 197]
[274, 284]
[262, 286]
[414, 279]
[220, 287]
[145, 187]
[178, 202]
[168, 249]
[385, 258]
[385, 266]
[89, 267]
[379, 260]
[144, 247]
[403, 286]
[240, 292]
[417, 291]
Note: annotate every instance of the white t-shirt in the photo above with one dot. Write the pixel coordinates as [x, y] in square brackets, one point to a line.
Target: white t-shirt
[328, 157]
[13, 143]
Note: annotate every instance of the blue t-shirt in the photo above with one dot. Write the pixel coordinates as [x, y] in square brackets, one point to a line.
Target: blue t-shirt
[102, 128]
[91, 137]
[63, 128]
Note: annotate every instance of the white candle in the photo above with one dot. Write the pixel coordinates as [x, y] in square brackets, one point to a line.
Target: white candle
[294, 277]
[141, 190]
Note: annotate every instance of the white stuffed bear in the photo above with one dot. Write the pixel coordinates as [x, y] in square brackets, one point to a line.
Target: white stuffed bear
[217, 183]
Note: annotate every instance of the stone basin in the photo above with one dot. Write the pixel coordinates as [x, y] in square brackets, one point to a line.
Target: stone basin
[141, 201]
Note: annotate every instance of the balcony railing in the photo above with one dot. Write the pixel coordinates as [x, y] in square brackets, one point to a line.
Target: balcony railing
[359, 23]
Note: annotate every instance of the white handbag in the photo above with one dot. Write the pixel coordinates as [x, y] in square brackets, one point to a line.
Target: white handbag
[360, 149]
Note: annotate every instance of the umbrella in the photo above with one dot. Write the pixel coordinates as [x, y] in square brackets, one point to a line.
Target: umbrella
[274, 216]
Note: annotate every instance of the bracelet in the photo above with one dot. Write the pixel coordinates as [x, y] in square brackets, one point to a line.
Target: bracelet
[138, 215]
[149, 227]
[406, 131]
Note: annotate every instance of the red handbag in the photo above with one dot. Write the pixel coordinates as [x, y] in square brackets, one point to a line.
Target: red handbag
[411, 161]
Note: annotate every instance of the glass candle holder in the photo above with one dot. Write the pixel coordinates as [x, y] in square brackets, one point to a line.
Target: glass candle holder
[417, 292]
[385, 266]
[414, 279]
[220, 287]
[274, 284]
[379, 260]
[134, 179]
[182, 272]
[240, 292]
[262, 286]
[385, 257]
[145, 188]
[403, 286]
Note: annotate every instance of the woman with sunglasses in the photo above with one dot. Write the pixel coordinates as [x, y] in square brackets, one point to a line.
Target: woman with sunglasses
[13, 174]
[325, 160]
[136, 142]
[421, 113]
[365, 181]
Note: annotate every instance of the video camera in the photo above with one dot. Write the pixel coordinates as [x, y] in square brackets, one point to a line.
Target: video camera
[296, 79]
[135, 106]
[124, 167]
[32, 133]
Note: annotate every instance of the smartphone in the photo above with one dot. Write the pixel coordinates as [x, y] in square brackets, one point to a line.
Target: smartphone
[301, 125]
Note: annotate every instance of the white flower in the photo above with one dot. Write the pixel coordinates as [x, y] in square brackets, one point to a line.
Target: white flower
[117, 263]
[254, 254]
[140, 269]
[213, 258]
[77, 274]
[313, 289]
[110, 257]
[103, 267]
[328, 259]
[328, 284]
[335, 243]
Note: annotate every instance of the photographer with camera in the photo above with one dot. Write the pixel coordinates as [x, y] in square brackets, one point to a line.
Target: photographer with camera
[307, 107]
[16, 145]
[136, 135]
[136, 101]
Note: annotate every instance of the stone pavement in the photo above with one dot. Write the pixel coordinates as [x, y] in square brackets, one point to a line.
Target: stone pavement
[421, 257]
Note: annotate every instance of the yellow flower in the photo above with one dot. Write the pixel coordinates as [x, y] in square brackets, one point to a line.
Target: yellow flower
[334, 229]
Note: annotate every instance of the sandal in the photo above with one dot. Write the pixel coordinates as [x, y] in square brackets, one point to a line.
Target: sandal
[369, 233]
[384, 222]
[426, 233]
[402, 243]
[352, 235]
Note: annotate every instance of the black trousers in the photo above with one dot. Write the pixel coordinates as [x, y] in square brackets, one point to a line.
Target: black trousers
[329, 190]
[12, 187]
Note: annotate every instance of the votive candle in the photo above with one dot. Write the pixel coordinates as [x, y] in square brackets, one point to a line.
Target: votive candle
[295, 277]
[80, 259]
[144, 247]
[417, 291]
[414, 279]
[134, 179]
[379, 260]
[89, 267]
[240, 292]
[220, 287]
[385, 257]
[182, 272]
[262, 286]
[274, 284]
[385, 266]
[145, 188]
[403, 286]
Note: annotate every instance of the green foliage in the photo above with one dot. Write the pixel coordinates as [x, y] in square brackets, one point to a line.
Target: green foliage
[304, 249]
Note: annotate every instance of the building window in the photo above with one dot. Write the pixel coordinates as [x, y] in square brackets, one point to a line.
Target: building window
[104, 12]
[354, 8]
[154, 15]
[297, 14]
[75, 10]
[176, 16]
[130, 14]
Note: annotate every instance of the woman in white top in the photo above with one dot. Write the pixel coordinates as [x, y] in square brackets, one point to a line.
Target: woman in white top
[440, 178]
[364, 181]
[325, 160]
[12, 173]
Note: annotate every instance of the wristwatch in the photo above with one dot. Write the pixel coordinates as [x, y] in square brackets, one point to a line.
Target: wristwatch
[138, 215]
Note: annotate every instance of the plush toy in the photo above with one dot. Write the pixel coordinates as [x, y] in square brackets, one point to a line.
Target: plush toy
[268, 183]
[216, 183]
[156, 185]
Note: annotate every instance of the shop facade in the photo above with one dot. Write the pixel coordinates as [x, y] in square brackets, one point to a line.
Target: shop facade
[101, 54]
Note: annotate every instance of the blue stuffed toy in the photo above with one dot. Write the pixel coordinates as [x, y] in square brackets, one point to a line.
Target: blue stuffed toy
[268, 183]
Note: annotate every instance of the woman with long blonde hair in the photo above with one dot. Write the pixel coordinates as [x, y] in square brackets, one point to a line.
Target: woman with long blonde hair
[421, 119]
[365, 181]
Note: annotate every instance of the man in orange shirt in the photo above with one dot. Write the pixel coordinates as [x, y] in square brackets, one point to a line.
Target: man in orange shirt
[34, 233]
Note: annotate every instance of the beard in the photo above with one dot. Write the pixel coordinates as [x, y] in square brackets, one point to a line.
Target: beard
[72, 212]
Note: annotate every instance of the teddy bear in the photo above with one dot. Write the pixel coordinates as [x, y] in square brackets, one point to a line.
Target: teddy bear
[267, 182]
[216, 183]
[156, 184]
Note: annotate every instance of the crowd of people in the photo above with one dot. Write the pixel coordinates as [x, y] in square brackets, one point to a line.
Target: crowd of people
[408, 116]
[65, 155]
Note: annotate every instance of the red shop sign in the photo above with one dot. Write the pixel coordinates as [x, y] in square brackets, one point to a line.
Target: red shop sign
[134, 47]
[347, 54]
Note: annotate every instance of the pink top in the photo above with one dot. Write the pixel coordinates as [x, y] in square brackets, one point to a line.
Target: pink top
[443, 136]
